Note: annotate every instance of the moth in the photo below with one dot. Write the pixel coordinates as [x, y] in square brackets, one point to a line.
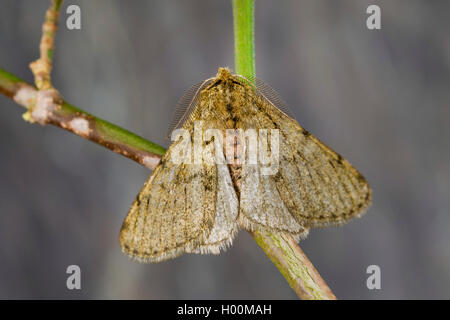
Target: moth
[198, 206]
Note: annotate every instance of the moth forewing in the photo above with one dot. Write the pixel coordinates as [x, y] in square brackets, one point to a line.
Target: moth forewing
[269, 153]
[319, 187]
[173, 213]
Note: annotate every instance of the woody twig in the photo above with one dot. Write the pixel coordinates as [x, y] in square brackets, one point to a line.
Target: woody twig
[45, 109]
[42, 67]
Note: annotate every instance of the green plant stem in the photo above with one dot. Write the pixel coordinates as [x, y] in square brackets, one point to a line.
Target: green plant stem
[244, 53]
[284, 252]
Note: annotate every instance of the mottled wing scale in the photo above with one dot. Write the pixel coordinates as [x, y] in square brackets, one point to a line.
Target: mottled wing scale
[173, 213]
[183, 208]
[315, 184]
[261, 205]
[212, 114]
[225, 223]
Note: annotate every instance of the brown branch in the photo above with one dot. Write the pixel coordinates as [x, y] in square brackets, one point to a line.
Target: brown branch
[46, 107]
[42, 67]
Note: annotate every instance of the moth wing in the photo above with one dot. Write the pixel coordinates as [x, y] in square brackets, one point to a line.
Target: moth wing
[184, 207]
[332, 190]
[173, 213]
[227, 211]
[261, 204]
[186, 105]
[313, 183]
[227, 203]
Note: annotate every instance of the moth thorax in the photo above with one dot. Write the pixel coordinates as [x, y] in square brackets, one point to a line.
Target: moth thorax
[224, 74]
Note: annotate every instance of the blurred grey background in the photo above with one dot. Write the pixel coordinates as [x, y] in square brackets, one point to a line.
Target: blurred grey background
[380, 98]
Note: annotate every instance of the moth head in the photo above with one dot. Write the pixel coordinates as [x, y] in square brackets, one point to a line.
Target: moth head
[224, 74]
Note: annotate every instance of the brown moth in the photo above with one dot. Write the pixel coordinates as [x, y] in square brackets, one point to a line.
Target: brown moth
[198, 206]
